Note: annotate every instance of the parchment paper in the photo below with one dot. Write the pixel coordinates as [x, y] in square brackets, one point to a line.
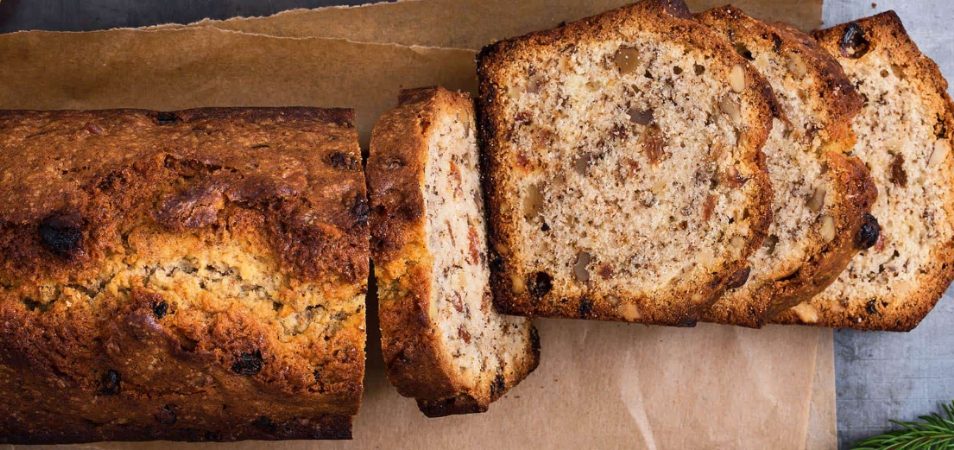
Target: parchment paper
[611, 385]
[475, 23]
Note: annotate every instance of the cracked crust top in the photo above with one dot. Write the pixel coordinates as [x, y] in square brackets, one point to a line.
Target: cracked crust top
[651, 47]
[904, 131]
[414, 219]
[190, 275]
[822, 193]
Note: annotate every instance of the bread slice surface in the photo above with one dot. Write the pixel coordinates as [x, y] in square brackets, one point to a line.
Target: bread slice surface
[624, 176]
[443, 342]
[822, 195]
[904, 135]
[195, 275]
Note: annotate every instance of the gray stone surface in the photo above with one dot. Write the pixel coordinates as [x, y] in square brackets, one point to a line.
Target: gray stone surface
[884, 376]
[880, 376]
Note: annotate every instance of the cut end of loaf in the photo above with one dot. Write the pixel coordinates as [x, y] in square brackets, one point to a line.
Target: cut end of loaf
[472, 353]
[624, 173]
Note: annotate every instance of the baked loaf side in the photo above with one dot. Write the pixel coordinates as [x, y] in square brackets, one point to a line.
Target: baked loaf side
[904, 135]
[196, 275]
[821, 195]
[443, 342]
[624, 175]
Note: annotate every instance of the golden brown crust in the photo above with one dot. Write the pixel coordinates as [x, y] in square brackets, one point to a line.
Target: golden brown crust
[881, 32]
[854, 190]
[416, 361]
[395, 174]
[680, 306]
[98, 194]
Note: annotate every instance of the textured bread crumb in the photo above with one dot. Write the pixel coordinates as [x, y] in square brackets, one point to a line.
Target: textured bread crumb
[477, 337]
[820, 195]
[904, 136]
[623, 166]
[443, 342]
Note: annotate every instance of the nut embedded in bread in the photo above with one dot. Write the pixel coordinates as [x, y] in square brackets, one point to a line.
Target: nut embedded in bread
[196, 275]
[624, 175]
[442, 340]
[821, 194]
[904, 132]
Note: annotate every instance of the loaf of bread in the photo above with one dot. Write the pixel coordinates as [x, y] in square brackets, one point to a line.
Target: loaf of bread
[821, 195]
[623, 169]
[442, 340]
[904, 132]
[196, 275]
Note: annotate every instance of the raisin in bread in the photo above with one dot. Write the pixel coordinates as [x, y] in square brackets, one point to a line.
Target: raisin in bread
[904, 131]
[197, 275]
[821, 195]
[624, 175]
[443, 342]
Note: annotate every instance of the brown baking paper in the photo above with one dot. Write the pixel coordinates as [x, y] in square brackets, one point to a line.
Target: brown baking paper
[474, 23]
[599, 384]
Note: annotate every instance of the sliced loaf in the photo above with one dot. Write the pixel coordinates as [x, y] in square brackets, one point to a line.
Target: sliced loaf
[904, 135]
[821, 195]
[443, 342]
[624, 175]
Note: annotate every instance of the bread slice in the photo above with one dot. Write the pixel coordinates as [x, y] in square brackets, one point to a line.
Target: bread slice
[196, 275]
[443, 342]
[624, 175]
[821, 195]
[904, 131]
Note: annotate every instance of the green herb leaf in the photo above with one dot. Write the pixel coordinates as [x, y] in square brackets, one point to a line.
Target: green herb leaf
[933, 432]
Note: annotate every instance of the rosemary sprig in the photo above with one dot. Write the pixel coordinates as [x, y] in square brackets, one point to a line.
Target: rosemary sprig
[932, 432]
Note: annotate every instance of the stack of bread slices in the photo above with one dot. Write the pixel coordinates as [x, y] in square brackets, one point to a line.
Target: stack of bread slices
[654, 166]
[649, 165]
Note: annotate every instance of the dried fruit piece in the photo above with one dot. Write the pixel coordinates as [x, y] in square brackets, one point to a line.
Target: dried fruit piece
[708, 205]
[62, 233]
[463, 334]
[641, 116]
[629, 312]
[654, 145]
[770, 243]
[110, 383]
[473, 255]
[737, 78]
[539, 284]
[732, 178]
[532, 202]
[797, 66]
[806, 312]
[160, 308]
[731, 109]
[739, 278]
[897, 175]
[827, 228]
[939, 153]
[853, 43]
[869, 233]
[817, 200]
[582, 162]
[626, 60]
[580, 271]
[248, 364]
